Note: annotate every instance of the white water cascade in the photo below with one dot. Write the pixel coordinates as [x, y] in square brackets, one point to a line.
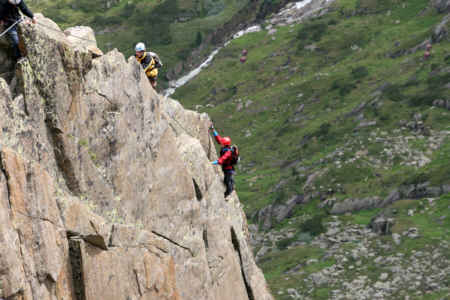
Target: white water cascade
[173, 85]
[292, 13]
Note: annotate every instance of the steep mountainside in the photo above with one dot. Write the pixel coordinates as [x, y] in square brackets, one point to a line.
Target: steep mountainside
[343, 123]
[106, 189]
[172, 28]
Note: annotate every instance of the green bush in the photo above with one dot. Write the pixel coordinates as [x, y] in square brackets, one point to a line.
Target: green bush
[416, 178]
[393, 93]
[312, 32]
[343, 86]
[332, 22]
[435, 89]
[90, 6]
[313, 226]
[360, 72]
[447, 59]
[102, 21]
[198, 39]
[128, 10]
[284, 243]
[323, 131]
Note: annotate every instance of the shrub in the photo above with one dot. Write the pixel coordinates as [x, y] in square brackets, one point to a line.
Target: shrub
[416, 178]
[447, 59]
[128, 10]
[332, 22]
[343, 86]
[312, 32]
[284, 243]
[393, 93]
[313, 226]
[360, 72]
[198, 39]
[323, 130]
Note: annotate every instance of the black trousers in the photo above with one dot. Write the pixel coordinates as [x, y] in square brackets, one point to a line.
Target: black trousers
[14, 38]
[228, 180]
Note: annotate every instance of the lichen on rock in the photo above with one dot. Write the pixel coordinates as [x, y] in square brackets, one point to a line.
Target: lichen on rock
[100, 185]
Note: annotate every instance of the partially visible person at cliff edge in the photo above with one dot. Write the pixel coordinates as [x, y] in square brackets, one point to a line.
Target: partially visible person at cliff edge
[9, 16]
[149, 61]
[229, 156]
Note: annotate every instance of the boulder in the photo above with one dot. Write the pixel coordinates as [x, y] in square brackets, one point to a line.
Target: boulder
[352, 205]
[442, 6]
[265, 217]
[441, 31]
[280, 212]
[381, 225]
[82, 38]
[393, 196]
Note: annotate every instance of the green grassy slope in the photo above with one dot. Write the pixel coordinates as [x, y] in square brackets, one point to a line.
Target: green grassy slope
[354, 107]
[297, 104]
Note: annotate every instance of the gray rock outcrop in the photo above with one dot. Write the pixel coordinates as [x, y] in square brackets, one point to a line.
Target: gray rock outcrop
[442, 6]
[106, 189]
[440, 32]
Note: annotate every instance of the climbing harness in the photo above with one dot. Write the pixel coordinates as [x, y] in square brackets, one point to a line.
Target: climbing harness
[11, 27]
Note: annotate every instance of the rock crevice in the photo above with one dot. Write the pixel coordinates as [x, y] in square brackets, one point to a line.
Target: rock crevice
[106, 188]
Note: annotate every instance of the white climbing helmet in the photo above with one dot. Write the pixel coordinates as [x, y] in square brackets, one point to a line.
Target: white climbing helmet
[140, 47]
[15, 2]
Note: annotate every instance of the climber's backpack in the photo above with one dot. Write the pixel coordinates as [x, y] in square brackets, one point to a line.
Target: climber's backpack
[235, 155]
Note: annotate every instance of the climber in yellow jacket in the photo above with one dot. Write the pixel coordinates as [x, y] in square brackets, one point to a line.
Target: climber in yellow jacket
[149, 61]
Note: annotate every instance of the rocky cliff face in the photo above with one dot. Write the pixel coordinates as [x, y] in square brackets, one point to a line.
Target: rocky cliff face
[106, 190]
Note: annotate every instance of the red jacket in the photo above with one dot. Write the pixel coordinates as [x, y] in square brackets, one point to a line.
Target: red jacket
[225, 159]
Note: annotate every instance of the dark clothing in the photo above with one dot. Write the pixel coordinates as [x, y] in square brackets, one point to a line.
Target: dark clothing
[10, 13]
[14, 38]
[228, 181]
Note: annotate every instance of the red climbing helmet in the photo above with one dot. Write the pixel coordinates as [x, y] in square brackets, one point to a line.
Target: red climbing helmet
[226, 141]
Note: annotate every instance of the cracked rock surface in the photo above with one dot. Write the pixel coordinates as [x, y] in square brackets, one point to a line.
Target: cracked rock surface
[106, 190]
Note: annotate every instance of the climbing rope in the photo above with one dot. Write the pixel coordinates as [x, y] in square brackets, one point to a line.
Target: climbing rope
[10, 27]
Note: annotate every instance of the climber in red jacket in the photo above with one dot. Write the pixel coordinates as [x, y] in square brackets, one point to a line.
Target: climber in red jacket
[229, 156]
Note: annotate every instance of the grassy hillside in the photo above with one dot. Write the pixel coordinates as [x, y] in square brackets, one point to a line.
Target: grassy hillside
[336, 111]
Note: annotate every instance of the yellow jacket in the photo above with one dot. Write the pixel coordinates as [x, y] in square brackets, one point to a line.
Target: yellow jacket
[149, 64]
